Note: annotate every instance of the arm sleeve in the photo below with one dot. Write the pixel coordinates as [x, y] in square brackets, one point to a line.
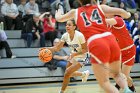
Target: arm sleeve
[63, 38]
[82, 38]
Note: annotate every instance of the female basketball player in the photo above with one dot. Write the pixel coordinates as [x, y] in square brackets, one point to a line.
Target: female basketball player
[102, 45]
[76, 42]
[127, 46]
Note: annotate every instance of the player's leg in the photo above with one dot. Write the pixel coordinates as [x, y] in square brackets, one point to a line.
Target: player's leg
[126, 70]
[102, 75]
[71, 71]
[67, 75]
[120, 78]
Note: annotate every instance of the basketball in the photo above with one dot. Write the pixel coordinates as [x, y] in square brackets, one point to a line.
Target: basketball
[45, 55]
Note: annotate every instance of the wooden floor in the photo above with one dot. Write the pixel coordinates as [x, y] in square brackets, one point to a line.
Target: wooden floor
[75, 87]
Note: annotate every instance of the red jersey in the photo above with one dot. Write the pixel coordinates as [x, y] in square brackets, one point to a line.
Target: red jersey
[122, 34]
[90, 20]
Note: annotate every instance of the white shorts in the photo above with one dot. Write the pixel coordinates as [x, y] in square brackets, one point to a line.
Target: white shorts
[80, 58]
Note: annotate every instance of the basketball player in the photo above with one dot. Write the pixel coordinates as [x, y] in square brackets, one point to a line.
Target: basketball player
[127, 47]
[102, 45]
[76, 42]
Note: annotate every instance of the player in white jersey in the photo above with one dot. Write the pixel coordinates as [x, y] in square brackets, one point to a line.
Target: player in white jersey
[77, 44]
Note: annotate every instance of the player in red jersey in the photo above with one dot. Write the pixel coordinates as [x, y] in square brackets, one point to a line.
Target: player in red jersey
[127, 47]
[102, 45]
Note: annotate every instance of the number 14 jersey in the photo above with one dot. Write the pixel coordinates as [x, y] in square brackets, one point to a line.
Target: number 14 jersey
[90, 20]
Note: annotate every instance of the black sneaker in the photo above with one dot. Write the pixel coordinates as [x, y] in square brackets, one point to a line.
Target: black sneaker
[117, 86]
[132, 88]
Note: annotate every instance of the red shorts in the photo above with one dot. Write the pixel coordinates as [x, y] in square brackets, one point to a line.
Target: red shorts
[104, 49]
[128, 56]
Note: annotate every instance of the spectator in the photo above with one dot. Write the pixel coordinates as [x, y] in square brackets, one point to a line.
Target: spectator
[61, 56]
[1, 15]
[129, 3]
[30, 8]
[10, 12]
[44, 5]
[49, 26]
[65, 3]
[33, 30]
[134, 22]
[122, 5]
[21, 7]
[137, 43]
[4, 44]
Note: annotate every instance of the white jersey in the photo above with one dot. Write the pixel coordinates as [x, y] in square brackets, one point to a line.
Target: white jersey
[75, 44]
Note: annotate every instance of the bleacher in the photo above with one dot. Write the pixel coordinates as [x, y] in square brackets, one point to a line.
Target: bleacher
[27, 68]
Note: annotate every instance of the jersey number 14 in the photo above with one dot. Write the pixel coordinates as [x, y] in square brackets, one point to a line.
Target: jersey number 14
[95, 17]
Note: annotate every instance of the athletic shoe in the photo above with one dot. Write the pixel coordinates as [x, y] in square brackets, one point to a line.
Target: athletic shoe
[61, 91]
[85, 77]
[127, 90]
[117, 86]
[132, 88]
[13, 56]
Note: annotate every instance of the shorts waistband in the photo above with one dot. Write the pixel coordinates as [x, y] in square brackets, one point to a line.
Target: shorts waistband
[98, 36]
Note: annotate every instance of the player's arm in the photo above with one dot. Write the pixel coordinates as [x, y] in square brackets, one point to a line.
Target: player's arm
[57, 47]
[60, 17]
[115, 11]
[111, 21]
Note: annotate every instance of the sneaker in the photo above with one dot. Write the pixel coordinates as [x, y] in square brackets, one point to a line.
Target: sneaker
[85, 77]
[132, 88]
[61, 91]
[127, 90]
[117, 86]
[13, 56]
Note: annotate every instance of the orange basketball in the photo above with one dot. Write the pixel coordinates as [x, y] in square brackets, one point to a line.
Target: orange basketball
[45, 55]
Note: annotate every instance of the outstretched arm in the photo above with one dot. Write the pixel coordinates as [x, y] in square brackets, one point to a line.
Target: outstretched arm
[60, 17]
[115, 11]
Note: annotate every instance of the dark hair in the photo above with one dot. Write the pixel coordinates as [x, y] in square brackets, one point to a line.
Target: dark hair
[84, 2]
[73, 22]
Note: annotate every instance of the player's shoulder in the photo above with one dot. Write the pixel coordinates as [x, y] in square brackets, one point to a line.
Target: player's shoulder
[78, 33]
[65, 34]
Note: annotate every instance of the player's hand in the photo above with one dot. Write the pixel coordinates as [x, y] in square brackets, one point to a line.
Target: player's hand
[42, 48]
[70, 57]
[65, 57]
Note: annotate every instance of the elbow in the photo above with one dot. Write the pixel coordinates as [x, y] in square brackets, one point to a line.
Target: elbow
[125, 14]
[58, 19]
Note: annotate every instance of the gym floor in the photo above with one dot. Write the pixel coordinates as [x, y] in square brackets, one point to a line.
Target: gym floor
[74, 87]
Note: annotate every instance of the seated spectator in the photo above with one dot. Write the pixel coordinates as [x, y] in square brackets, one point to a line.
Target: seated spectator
[65, 3]
[44, 5]
[4, 44]
[49, 26]
[33, 30]
[30, 9]
[129, 3]
[1, 15]
[134, 21]
[61, 56]
[137, 43]
[10, 12]
[21, 7]
[121, 5]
